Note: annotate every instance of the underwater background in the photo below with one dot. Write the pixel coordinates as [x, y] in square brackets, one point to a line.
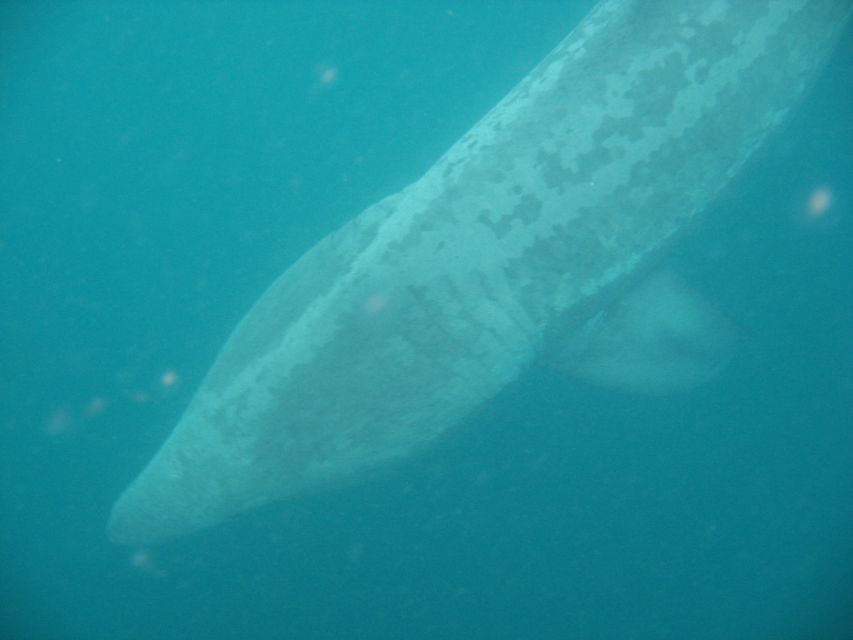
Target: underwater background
[162, 163]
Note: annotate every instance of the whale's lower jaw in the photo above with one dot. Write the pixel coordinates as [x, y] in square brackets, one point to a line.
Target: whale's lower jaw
[391, 330]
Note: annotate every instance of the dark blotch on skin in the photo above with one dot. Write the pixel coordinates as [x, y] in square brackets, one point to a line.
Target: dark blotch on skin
[528, 209]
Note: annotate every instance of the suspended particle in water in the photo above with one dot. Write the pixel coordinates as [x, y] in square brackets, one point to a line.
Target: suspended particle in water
[820, 202]
[169, 378]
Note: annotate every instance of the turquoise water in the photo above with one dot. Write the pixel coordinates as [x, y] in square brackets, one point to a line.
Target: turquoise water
[160, 165]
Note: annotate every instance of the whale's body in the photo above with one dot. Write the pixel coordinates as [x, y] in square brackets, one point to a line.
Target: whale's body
[392, 329]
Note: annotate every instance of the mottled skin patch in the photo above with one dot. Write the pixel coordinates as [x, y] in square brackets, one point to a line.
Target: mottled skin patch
[525, 212]
[392, 329]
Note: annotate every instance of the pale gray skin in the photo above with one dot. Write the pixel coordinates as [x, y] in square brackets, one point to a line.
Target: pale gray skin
[389, 331]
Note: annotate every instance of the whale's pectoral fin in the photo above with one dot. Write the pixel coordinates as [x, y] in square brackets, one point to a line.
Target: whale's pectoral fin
[661, 337]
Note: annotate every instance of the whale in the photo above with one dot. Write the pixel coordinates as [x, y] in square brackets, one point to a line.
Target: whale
[537, 233]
